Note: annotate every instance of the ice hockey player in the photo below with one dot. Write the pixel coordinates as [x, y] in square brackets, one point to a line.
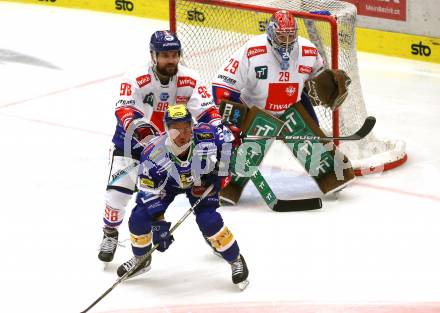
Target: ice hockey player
[186, 159]
[268, 74]
[143, 97]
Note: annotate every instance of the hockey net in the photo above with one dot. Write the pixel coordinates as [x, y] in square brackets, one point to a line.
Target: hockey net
[211, 30]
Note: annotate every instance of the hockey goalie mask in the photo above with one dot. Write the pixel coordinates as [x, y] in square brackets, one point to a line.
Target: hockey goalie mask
[282, 34]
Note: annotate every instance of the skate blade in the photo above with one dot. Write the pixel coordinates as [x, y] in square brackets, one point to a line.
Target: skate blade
[105, 265]
[242, 285]
[140, 272]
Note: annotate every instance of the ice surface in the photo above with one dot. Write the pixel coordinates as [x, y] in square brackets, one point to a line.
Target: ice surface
[59, 69]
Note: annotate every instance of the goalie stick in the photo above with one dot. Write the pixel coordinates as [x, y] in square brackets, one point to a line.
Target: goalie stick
[366, 128]
[279, 205]
[297, 205]
[145, 256]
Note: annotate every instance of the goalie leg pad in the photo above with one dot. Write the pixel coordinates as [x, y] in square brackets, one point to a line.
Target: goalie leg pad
[246, 159]
[221, 238]
[325, 163]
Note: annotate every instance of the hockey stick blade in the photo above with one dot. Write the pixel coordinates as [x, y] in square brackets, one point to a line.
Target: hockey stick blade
[366, 128]
[297, 205]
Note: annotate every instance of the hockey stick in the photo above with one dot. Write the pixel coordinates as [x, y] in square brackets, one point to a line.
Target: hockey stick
[279, 205]
[147, 255]
[366, 128]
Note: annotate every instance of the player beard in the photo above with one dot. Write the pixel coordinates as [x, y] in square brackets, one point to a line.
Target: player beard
[167, 70]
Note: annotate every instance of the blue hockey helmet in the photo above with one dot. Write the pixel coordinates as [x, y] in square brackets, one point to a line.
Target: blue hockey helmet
[177, 113]
[164, 40]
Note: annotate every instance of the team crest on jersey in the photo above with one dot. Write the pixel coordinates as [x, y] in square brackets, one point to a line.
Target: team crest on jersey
[143, 80]
[309, 51]
[305, 69]
[254, 51]
[261, 72]
[149, 99]
[281, 96]
[186, 81]
[290, 91]
[164, 96]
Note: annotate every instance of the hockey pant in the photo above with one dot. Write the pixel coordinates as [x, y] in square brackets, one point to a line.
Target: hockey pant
[210, 222]
[120, 186]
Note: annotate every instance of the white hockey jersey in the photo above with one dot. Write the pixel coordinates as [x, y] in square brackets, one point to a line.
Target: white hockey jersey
[142, 95]
[255, 74]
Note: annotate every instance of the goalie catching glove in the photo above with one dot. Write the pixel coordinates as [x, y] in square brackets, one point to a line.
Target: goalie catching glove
[329, 88]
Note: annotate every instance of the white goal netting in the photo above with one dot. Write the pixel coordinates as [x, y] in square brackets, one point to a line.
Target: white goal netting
[212, 30]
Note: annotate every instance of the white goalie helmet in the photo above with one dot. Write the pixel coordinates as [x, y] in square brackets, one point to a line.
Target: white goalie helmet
[282, 34]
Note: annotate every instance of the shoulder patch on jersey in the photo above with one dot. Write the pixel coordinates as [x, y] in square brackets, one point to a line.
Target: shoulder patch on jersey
[185, 81]
[146, 182]
[309, 51]
[254, 51]
[305, 69]
[143, 80]
[261, 72]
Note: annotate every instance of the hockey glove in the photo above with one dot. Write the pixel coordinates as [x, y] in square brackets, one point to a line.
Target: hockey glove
[329, 88]
[161, 235]
[219, 182]
[232, 134]
[143, 131]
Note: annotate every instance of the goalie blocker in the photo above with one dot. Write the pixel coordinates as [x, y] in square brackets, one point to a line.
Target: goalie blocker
[330, 169]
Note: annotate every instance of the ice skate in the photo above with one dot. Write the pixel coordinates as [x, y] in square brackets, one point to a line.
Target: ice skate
[240, 273]
[108, 245]
[141, 263]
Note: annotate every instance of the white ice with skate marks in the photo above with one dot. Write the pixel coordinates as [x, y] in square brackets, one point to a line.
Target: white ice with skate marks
[377, 242]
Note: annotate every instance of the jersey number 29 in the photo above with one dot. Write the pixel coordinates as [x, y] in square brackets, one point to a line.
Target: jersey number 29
[232, 66]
